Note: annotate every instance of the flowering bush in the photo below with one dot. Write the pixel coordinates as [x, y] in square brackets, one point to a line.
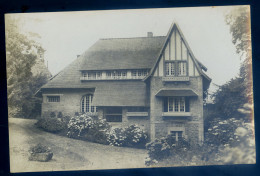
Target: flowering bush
[116, 137]
[89, 128]
[228, 132]
[132, 136]
[165, 147]
[234, 140]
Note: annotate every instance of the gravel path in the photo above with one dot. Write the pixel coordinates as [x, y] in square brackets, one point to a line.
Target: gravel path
[69, 154]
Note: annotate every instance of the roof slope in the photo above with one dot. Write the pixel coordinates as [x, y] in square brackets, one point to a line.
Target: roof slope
[106, 54]
[120, 93]
[122, 53]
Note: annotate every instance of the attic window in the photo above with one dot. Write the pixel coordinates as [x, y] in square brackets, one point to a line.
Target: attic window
[176, 68]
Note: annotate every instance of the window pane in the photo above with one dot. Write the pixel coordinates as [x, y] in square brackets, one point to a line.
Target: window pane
[172, 69]
[170, 104]
[167, 68]
[182, 69]
[86, 104]
[182, 104]
[179, 135]
[176, 105]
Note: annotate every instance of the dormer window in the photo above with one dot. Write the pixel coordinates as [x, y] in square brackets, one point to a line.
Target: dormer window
[114, 74]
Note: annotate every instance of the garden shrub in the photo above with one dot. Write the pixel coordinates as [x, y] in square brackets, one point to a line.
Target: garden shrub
[50, 124]
[132, 136]
[88, 128]
[170, 152]
[66, 119]
[60, 115]
[228, 141]
[234, 140]
[52, 114]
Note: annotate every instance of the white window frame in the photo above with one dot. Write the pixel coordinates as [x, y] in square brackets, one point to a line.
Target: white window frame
[172, 101]
[169, 68]
[83, 107]
[182, 68]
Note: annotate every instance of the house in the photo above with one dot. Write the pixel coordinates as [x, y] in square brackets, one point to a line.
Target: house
[155, 82]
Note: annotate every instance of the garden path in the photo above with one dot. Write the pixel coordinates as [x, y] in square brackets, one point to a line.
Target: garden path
[69, 154]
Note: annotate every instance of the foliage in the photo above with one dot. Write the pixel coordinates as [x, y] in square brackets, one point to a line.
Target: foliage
[21, 56]
[39, 148]
[88, 128]
[66, 119]
[234, 140]
[167, 147]
[229, 141]
[239, 22]
[52, 114]
[132, 136]
[50, 124]
[229, 98]
[60, 115]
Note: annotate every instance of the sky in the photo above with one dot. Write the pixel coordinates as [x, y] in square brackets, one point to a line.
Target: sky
[64, 35]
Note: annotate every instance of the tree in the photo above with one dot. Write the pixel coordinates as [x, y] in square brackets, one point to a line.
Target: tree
[21, 55]
[239, 21]
[236, 96]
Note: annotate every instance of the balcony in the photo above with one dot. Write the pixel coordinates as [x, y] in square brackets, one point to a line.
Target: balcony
[176, 78]
[176, 114]
[137, 114]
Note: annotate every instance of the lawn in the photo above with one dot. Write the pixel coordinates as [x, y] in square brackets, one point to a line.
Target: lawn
[69, 154]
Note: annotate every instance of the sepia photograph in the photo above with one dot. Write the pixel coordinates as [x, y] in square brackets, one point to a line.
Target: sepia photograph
[137, 88]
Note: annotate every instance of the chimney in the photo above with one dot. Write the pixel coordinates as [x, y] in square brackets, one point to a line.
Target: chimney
[149, 34]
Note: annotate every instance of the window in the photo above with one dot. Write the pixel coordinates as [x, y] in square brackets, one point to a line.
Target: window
[53, 98]
[170, 69]
[139, 73]
[124, 73]
[182, 69]
[108, 74]
[86, 104]
[99, 74]
[176, 104]
[133, 73]
[113, 114]
[177, 134]
[176, 68]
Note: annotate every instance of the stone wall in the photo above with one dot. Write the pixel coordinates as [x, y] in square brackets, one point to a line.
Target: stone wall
[192, 127]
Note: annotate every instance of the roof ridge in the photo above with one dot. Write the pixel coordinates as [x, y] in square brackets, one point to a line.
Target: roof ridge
[129, 38]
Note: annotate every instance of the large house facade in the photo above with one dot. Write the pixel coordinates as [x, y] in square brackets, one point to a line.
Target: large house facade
[155, 82]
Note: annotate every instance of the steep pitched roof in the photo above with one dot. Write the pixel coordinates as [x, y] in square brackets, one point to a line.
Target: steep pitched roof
[122, 53]
[106, 54]
[197, 63]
